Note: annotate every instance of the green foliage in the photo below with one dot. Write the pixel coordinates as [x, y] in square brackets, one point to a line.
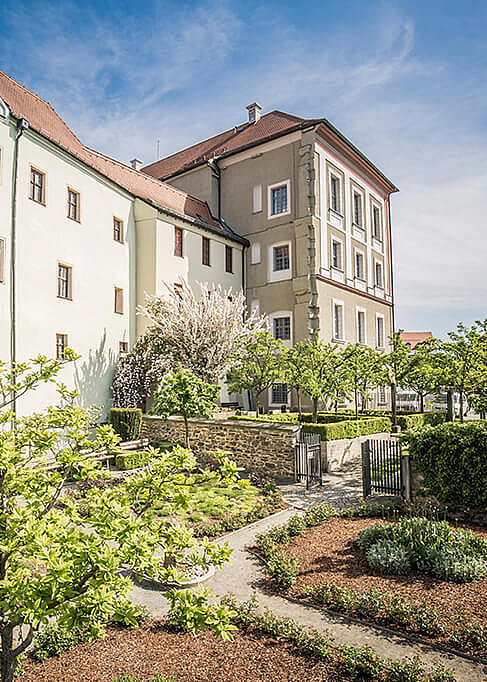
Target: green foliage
[389, 557]
[191, 611]
[350, 428]
[183, 393]
[54, 640]
[132, 460]
[126, 422]
[395, 610]
[420, 419]
[257, 365]
[432, 547]
[452, 459]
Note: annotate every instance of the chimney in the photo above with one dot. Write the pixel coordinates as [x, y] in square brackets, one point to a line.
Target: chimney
[254, 112]
[136, 164]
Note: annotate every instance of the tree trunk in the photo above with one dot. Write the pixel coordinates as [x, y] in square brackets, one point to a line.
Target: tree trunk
[356, 402]
[186, 429]
[421, 403]
[394, 406]
[315, 410]
[461, 407]
[7, 658]
[450, 410]
[298, 394]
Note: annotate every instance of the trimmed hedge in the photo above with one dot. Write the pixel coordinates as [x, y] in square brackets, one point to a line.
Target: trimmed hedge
[350, 429]
[126, 421]
[417, 420]
[132, 460]
[453, 461]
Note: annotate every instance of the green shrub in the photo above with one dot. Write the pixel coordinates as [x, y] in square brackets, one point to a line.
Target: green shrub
[54, 640]
[126, 422]
[163, 445]
[132, 460]
[389, 557]
[432, 547]
[350, 428]
[453, 461]
[420, 419]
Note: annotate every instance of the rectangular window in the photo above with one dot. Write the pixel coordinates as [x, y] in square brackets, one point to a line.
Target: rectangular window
[379, 280]
[279, 394]
[382, 395]
[118, 301]
[205, 250]
[178, 242]
[335, 193]
[360, 326]
[357, 209]
[282, 328]
[64, 281]
[279, 200]
[338, 321]
[124, 347]
[118, 230]
[377, 226]
[37, 186]
[2, 260]
[257, 199]
[61, 345]
[281, 257]
[359, 265]
[380, 332]
[73, 204]
[336, 255]
[178, 289]
[228, 259]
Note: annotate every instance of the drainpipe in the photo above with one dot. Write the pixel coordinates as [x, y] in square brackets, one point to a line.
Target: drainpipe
[217, 173]
[395, 427]
[311, 260]
[22, 124]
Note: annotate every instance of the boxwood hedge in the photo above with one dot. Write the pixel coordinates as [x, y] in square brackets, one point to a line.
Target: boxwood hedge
[350, 428]
[453, 461]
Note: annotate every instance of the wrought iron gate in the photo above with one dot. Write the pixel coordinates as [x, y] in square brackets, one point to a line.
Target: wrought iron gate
[308, 459]
[385, 469]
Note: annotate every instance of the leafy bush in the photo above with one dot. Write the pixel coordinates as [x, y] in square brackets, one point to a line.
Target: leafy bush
[432, 547]
[350, 428]
[420, 419]
[126, 421]
[389, 557]
[453, 461]
[54, 640]
[132, 460]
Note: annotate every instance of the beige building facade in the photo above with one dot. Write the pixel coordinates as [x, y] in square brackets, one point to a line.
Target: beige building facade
[317, 215]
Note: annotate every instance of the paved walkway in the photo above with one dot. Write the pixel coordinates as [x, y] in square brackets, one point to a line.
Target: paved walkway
[244, 576]
[343, 489]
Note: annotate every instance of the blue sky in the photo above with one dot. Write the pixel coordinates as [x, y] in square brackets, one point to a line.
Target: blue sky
[405, 81]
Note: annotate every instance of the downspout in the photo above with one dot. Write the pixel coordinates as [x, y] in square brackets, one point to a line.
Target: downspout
[395, 427]
[22, 124]
[217, 173]
[313, 311]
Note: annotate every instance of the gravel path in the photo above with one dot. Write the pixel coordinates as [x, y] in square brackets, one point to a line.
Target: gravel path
[244, 576]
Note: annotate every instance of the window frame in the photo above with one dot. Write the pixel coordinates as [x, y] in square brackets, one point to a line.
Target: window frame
[339, 242]
[271, 393]
[380, 264]
[43, 175]
[178, 242]
[357, 216]
[123, 346]
[338, 304]
[359, 252]
[275, 260]
[229, 259]
[377, 208]
[77, 217]
[337, 195]
[68, 281]
[122, 230]
[61, 345]
[270, 189]
[286, 319]
[118, 298]
[359, 312]
[205, 251]
[380, 317]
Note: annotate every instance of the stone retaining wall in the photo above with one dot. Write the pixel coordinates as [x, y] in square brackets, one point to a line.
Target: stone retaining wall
[266, 449]
[345, 451]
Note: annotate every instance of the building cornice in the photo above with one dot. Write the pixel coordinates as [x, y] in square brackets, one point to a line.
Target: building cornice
[345, 287]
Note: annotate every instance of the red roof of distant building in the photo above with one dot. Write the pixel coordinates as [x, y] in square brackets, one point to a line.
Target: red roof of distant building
[413, 338]
[43, 119]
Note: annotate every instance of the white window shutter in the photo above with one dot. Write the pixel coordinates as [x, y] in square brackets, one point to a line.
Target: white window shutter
[257, 199]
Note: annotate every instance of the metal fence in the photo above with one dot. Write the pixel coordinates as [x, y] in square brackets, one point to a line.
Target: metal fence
[308, 459]
[385, 469]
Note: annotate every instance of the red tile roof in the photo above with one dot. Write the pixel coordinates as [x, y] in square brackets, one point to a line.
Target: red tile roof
[42, 118]
[274, 124]
[414, 338]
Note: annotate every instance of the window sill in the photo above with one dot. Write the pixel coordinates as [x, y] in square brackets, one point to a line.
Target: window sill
[74, 220]
[64, 298]
[335, 213]
[39, 203]
[338, 340]
[277, 215]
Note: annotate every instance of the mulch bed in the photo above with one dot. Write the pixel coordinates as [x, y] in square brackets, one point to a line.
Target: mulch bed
[153, 648]
[329, 552]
